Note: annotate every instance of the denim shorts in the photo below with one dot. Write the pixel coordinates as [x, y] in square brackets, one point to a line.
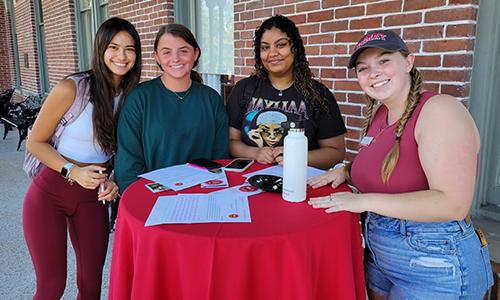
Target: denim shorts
[421, 260]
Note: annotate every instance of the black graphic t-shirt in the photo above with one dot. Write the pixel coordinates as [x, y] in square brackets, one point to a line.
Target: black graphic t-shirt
[259, 116]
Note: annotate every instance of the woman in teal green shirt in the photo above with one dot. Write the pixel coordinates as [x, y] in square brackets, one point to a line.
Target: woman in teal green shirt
[172, 118]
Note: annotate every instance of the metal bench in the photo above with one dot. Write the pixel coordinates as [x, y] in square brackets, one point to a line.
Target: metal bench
[21, 116]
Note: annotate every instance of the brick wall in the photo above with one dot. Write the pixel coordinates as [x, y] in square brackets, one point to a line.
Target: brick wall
[5, 65]
[441, 32]
[26, 42]
[147, 16]
[60, 39]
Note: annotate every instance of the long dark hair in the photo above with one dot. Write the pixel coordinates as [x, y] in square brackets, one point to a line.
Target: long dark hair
[302, 75]
[184, 33]
[102, 89]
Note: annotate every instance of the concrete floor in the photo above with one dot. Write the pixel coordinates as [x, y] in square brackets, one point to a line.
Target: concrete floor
[17, 278]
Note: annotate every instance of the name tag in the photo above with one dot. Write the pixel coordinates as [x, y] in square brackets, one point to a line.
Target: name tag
[366, 140]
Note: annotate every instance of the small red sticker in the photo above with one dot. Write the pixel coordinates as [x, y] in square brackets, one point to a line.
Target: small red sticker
[179, 183]
[248, 188]
[215, 181]
[234, 216]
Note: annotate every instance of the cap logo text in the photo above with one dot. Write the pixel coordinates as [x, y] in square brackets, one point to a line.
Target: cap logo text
[371, 37]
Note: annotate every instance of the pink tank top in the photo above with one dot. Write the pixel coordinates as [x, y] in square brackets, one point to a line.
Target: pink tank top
[408, 175]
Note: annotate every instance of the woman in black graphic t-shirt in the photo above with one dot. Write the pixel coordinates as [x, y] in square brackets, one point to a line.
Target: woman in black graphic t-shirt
[282, 89]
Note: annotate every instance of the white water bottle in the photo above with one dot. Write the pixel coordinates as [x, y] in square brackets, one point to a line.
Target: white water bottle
[294, 164]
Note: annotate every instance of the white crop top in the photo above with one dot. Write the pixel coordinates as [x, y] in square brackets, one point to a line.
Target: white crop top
[77, 140]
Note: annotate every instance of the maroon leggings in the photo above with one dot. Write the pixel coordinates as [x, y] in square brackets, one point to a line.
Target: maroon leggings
[51, 207]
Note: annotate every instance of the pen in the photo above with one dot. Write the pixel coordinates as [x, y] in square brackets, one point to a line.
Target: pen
[101, 188]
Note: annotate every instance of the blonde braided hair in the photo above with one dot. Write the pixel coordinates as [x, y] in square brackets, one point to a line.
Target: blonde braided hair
[392, 157]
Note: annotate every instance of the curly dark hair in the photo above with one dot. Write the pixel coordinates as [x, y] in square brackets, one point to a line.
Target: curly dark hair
[302, 75]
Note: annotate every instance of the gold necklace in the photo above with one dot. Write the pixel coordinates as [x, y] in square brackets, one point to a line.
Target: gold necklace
[183, 96]
[177, 95]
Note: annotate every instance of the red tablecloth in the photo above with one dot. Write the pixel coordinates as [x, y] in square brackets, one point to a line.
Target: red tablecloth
[289, 251]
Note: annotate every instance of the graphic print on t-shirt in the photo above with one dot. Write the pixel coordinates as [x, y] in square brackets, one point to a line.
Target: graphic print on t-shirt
[263, 118]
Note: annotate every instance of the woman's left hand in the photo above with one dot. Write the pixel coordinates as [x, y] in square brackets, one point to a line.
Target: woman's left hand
[110, 191]
[343, 201]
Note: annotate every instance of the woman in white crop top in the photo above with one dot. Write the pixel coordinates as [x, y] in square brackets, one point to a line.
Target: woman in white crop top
[69, 192]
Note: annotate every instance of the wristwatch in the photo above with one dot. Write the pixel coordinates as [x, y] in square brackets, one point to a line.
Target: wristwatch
[66, 170]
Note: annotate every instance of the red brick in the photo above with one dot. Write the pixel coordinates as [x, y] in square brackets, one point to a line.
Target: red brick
[308, 28]
[414, 47]
[467, 13]
[340, 97]
[334, 26]
[238, 7]
[349, 85]
[246, 15]
[333, 73]
[320, 39]
[333, 49]
[366, 23]
[268, 3]
[384, 7]
[320, 61]
[430, 86]
[320, 16]
[446, 75]
[354, 122]
[358, 98]
[298, 19]
[341, 61]
[307, 6]
[447, 45]
[459, 91]
[284, 10]
[334, 3]
[351, 36]
[352, 11]
[315, 71]
[312, 50]
[353, 134]
[348, 109]
[253, 5]
[247, 34]
[423, 32]
[418, 4]
[252, 25]
[428, 61]
[457, 60]
[327, 83]
[239, 25]
[263, 13]
[461, 30]
[362, 1]
[250, 61]
[350, 144]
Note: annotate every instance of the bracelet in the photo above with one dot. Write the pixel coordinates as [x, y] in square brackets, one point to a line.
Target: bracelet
[338, 166]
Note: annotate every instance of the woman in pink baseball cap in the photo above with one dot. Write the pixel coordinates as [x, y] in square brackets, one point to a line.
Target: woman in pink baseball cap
[416, 171]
